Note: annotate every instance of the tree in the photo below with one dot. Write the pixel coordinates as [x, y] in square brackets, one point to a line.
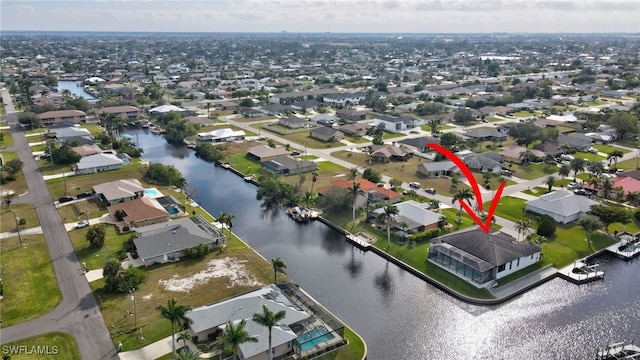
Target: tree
[549, 181]
[564, 171]
[527, 157]
[535, 238]
[395, 183]
[548, 160]
[184, 337]
[577, 165]
[463, 116]
[589, 223]
[624, 123]
[353, 174]
[433, 124]
[633, 198]
[546, 226]
[233, 336]
[607, 186]
[164, 175]
[314, 179]
[112, 272]
[354, 191]
[278, 266]
[13, 167]
[463, 194]
[176, 315]
[7, 199]
[177, 130]
[388, 216]
[525, 133]
[372, 175]
[268, 319]
[188, 354]
[29, 119]
[522, 226]
[96, 235]
[610, 214]
[451, 141]
[595, 167]
[615, 155]
[336, 199]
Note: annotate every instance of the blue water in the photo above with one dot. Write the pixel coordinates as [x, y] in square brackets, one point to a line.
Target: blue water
[312, 338]
[151, 193]
[74, 89]
[172, 211]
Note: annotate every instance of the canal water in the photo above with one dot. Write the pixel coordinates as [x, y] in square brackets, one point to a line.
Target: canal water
[75, 88]
[400, 316]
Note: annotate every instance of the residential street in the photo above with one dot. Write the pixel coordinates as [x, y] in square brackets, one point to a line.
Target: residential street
[78, 313]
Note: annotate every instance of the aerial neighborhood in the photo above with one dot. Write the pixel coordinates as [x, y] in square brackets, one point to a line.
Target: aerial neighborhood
[340, 130]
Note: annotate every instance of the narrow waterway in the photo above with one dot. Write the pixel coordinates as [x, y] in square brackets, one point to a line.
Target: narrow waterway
[75, 88]
[401, 316]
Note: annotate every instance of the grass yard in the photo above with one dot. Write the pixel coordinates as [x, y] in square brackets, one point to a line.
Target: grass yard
[243, 119]
[532, 171]
[538, 190]
[29, 284]
[354, 351]
[608, 148]
[94, 129]
[59, 345]
[356, 139]
[388, 135]
[589, 156]
[7, 139]
[95, 258]
[571, 244]
[303, 139]
[22, 211]
[242, 163]
[510, 208]
[77, 211]
[523, 114]
[630, 164]
[149, 295]
[19, 185]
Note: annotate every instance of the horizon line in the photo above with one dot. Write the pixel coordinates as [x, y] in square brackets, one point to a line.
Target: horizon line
[327, 32]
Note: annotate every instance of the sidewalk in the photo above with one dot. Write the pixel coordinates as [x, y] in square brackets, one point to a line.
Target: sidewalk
[151, 351]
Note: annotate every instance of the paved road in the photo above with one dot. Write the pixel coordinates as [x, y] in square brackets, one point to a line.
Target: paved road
[78, 313]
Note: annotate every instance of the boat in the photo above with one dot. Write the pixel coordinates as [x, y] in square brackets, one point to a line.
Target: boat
[249, 177]
[620, 350]
[225, 165]
[299, 213]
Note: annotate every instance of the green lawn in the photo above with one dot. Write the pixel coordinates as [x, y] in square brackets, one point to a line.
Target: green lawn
[608, 148]
[532, 171]
[570, 244]
[19, 185]
[22, 211]
[243, 163]
[523, 114]
[510, 208]
[95, 258]
[29, 284]
[589, 156]
[356, 140]
[58, 346]
[391, 135]
[7, 139]
[493, 119]
[538, 190]
[325, 166]
[630, 164]
[303, 139]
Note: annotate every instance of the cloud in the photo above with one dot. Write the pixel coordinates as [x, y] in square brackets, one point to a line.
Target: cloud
[557, 5]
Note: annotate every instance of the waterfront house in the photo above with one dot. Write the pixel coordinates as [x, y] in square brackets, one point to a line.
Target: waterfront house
[263, 152]
[564, 207]
[119, 191]
[221, 135]
[480, 258]
[326, 134]
[412, 217]
[141, 211]
[370, 192]
[287, 165]
[164, 242]
[438, 168]
[86, 150]
[298, 335]
[125, 112]
[60, 116]
[72, 133]
[93, 164]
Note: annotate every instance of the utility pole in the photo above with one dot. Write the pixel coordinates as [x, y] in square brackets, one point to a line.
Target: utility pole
[18, 229]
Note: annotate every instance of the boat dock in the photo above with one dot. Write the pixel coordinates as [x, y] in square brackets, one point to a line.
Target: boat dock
[621, 350]
[303, 214]
[580, 272]
[628, 247]
[361, 240]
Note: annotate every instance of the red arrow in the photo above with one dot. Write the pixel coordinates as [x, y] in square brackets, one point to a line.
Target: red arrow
[474, 185]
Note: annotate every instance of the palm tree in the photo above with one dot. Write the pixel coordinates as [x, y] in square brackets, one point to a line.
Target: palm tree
[234, 336]
[314, 178]
[566, 148]
[549, 181]
[564, 171]
[188, 354]
[614, 155]
[268, 319]
[522, 226]
[7, 199]
[577, 165]
[594, 183]
[590, 223]
[464, 194]
[389, 215]
[633, 198]
[208, 108]
[607, 186]
[184, 336]
[549, 160]
[229, 220]
[527, 157]
[434, 128]
[353, 174]
[222, 219]
[595, 167]
[355, 190]
[176, 315]
[278, 266]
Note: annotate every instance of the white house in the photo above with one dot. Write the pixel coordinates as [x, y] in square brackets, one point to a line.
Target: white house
[394, 124]
[97, 163]
[415, 216]
[221, 135]
[481, 258]
[563, 206]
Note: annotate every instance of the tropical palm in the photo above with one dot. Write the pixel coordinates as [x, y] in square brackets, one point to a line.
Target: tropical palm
[176, 315]
[607, 186]
[355, 190]
[614, 155]
[234, 336]
[526, 157]
[188, 354]
[566, 148]
[353, 174]
[387, 217]
[7, 199]
[229, 220]
[434, 128]
[222, 219]
[595, 167]
[278, 266]
[577, 165]
[464, 194]
[268, 319]
[549, 160]
[549, 181]
[314, 178]
[564, 170]
[589, 223]
[522, 226]
[594, 183]
[633, 198]
[184, 337]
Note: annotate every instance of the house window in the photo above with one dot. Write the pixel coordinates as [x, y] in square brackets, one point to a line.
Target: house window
[501, 267]
[510, 265]
[518, 264]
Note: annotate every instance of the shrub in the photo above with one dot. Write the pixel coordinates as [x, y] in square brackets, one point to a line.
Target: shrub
[547, 226]
[197, 252]
[636, 215]
[425, 235]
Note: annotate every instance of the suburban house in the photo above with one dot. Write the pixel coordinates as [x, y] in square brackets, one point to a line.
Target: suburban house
[326, 134]
[342, 99]
[165, 109]
[485, 134]
[412, 217]
[490, 162]
[275, 109]
[351, 114]
[93, 164]
[324, 119]
[306, 104]
[388, 153]
[481, 258]
[293, 122]
[263, 152]
[549, 147]
[298, 335]
[370, 193]
[125, 112]
[512, 153]
[564, 207]
[140, 212]
[73, 133]
[580, 142]
[437, 169]
[355, 129]
[221, 135]
[249, 112]
[119, 191]
[287, 165]
[160, 243]
[419, 143]
[86, 150]
[628, 184]
[395, 124]
[58, 116]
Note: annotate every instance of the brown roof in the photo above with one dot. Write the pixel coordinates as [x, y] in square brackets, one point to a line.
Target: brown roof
[84, 150]
[264, 151]
[140, 209]
[61, 113]
[116, 109]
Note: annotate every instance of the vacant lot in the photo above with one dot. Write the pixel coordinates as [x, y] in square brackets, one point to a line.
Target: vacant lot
[303, 139]
[60, 346]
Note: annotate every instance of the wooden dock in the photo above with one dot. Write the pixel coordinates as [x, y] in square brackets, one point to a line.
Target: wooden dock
[361, 240]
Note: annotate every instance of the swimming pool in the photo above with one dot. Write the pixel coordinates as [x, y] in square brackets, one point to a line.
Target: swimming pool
[152, 193]
[312, 338]
[172, 210]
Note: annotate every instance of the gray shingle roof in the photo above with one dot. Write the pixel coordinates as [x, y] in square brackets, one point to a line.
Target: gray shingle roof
[562, 203]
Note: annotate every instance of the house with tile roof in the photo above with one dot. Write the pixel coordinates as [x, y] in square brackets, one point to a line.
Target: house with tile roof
[563, 206]
[325, 133]
[125, 112]
[370, 192]
[60, 116]
[438, 168]
[119, 191]
[413, 215]
[389, 153]
[221, 135]
[141, 211]
[481, 258]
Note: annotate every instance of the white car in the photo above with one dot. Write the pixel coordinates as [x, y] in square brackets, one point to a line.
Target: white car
[81, 224]
[572, 186]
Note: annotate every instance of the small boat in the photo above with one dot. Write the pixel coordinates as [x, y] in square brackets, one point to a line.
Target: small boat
[249, 177]
[621, 350]
[299, 213]
[225, 165]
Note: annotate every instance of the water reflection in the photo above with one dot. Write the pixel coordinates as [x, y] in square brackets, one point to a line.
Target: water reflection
[401, 316]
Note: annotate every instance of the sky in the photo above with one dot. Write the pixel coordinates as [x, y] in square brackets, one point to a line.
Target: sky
[336, 16]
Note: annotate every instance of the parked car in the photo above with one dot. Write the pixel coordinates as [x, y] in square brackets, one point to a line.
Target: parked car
[414, 185]
[581, 192]
[572, 186]
[430, 190]
[81, 224]
[592, 150]
[295, 153]
[380, 184]
[65, 199]
[83, 195]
